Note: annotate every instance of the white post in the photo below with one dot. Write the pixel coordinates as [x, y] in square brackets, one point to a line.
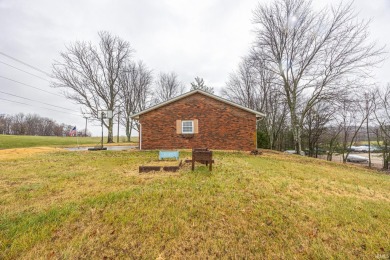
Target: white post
[77, 138]
[256, 134]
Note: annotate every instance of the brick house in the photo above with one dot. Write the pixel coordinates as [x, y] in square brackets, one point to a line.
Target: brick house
[198, 119]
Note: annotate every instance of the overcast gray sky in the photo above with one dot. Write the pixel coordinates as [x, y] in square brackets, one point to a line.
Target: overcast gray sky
[204, 38]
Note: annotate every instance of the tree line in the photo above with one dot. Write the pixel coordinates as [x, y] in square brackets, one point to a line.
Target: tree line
[309, 71]
[33, 124]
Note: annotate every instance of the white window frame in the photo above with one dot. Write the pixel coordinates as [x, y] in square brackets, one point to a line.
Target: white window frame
[192, 126]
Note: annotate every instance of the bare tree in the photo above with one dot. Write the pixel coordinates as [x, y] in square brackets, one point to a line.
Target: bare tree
[353, 115]
[383, 142]
[331, 137]
[252, 86]
[90, 74]
[243, 86]
[316, 121]
[311, 52]
[167, 86]
[199, 84]
[5, 124]
[369, 106]
[18, 126]
[30, 124]
[382, 115]
[135, 83]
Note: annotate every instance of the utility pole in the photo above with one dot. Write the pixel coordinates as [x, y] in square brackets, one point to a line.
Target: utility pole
[117, 137]
[102, 115]
[366, 96]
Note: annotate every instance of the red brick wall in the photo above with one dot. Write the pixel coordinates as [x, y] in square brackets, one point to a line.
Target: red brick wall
[221, 126]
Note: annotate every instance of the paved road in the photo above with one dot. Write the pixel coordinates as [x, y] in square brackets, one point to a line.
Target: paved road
[376, 159]
[111, 148]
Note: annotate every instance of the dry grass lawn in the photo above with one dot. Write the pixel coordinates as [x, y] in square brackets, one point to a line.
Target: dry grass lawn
[24, 141]
[64, 205]
[15, 153]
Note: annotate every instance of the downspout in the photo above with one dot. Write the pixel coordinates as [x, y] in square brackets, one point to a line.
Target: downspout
[256, 133]
[140, 136]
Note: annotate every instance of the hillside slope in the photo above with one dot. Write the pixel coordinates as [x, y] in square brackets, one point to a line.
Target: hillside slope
[95, 204]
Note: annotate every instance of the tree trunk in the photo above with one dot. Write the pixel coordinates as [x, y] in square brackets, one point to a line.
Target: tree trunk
[385, 157]
[329, 156]
[369, 144]
[131, 128]
[110, 138]
[344, 157]
[128, 132]
[297, 138]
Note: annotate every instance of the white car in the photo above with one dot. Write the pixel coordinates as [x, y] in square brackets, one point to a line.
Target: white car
[356, 158]
[294, 152]
[364, 148]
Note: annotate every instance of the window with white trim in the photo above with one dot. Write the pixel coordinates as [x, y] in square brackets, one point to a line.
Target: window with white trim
[187, 127]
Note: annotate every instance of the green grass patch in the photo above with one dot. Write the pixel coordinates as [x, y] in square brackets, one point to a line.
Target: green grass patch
[23, 141]
[97, 205]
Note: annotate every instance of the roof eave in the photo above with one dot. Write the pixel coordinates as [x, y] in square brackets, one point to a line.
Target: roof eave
[258, 114]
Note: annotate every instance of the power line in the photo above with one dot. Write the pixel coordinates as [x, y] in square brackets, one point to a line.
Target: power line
[27, 85]
[24, 71]
[24, 63]
[36, 101]
[38, 107]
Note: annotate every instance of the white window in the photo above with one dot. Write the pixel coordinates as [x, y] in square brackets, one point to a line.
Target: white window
[187, 127]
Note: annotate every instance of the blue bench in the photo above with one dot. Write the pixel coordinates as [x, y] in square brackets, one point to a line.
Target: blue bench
[168, 154]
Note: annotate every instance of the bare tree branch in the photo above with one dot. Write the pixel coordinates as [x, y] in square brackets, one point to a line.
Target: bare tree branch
[90, 74]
